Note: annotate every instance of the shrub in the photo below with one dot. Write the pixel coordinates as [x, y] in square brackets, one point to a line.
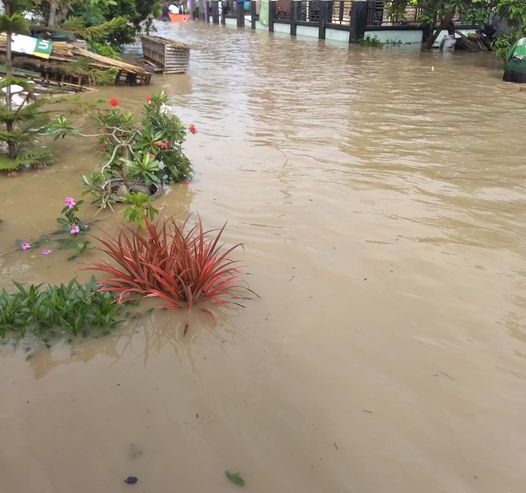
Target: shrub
[137, 153]
[174, 262]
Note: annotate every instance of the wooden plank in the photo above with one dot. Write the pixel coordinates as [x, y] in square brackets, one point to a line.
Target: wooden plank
[110, 62]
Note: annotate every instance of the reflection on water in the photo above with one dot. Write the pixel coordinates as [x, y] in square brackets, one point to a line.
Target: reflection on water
[380, 196]
[142, 338]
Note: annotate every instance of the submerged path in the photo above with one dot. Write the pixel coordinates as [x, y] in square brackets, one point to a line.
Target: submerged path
[380, 195]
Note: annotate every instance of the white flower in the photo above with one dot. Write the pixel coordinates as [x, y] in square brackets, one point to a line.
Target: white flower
[164, 109]
[165, 177]
[162, 165]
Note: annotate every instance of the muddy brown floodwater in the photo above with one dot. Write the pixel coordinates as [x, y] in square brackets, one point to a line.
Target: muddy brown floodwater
[382, 204]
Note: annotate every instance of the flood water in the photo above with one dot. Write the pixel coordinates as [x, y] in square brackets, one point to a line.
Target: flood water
[380, 196]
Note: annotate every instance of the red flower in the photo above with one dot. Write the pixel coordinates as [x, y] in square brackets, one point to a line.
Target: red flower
[187, 181]
[162, 145]
[192, 128]
[114, 102]
[149, 99]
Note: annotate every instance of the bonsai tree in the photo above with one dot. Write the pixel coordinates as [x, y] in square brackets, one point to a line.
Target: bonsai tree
[139, 156]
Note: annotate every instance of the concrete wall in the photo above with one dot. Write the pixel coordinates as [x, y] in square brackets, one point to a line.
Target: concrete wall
[397, 35]
[337, 35]
[308, 31]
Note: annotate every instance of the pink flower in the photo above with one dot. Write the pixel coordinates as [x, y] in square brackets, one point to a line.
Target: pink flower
[114, 102]
[25, 246]
[192, 128]
[75, 230]
[46, 251]
[70, 202]
[187, 181]
[149, 99]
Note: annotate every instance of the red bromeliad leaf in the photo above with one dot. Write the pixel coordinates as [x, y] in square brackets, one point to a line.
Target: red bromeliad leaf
[173, 262]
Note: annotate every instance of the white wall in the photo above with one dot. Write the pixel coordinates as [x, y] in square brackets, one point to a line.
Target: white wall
[230, 22]
[281, 28]
[337, 35]
[443, 34]
[308, 31]
[397, 35]
[261, 27]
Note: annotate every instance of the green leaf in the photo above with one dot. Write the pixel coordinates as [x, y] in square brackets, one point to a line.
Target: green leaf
[235, 478]
[15, 23]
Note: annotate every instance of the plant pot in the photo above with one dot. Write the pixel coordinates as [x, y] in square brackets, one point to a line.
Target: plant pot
[154, 190]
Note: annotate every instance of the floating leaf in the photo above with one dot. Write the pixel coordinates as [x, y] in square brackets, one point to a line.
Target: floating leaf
[235, 478]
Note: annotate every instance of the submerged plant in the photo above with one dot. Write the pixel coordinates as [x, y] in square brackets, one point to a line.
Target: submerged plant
[370, 41]
[71, 234]
[177, 263]
[139, 206]
[149, 151]
[67, 309]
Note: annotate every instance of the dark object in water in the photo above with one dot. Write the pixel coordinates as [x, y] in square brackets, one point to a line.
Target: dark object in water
[131, 480]
[515, 67]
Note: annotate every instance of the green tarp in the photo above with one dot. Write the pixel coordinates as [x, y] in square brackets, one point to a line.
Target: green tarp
[263, 13]
[515, 67]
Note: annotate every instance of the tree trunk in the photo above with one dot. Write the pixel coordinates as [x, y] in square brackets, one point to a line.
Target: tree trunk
[443, 25]
[62, 12]
[52, 14]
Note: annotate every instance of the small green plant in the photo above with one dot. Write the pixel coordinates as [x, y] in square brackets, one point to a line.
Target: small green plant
[69, 219]
[105, 49]
[139, 207]
[371, 42]
[72, 309]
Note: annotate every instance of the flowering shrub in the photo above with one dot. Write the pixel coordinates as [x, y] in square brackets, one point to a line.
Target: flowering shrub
[71, 234]
[69, 220]
[138, 156]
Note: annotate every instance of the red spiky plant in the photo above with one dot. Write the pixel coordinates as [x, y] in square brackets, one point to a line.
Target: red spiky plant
[177, 263]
